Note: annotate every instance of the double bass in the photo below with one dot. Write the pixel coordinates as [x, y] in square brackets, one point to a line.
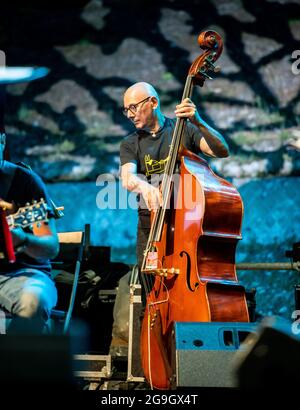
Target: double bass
[188, 269]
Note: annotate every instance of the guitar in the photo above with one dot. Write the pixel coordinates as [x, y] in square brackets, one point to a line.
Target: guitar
[28, 215]
[24, 217]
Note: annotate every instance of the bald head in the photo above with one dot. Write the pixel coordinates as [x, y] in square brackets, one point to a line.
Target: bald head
[139, 91]
[142, 107]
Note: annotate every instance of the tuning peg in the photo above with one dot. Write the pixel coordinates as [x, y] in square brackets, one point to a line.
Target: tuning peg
[27, 204]
[212, 67]
[205, 74]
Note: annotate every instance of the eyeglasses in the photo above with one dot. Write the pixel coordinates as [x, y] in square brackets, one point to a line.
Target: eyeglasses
[133, 107]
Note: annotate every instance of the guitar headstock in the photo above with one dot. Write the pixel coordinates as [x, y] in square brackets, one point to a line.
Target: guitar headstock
[29, 214]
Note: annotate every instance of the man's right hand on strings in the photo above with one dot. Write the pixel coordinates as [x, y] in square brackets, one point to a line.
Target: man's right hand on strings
[152, 196]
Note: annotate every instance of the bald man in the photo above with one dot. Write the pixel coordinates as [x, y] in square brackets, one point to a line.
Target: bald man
[144, 153]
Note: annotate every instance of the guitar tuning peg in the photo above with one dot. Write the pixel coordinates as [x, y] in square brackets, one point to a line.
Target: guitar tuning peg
[27, 204]
[35, 201]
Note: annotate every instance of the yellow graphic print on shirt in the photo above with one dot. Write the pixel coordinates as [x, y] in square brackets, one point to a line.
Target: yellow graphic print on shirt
[153, 166]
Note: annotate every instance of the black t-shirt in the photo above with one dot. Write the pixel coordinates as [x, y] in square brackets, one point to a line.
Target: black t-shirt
[150, 154]
[25, 187]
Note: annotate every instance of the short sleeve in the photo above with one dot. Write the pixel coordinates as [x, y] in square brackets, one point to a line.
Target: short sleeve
[127, 152]
[39, 191]
[27, 186]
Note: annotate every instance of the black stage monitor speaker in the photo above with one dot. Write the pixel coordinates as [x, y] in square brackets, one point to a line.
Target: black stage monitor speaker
[35, 361]
[202, 353]
[271, 362]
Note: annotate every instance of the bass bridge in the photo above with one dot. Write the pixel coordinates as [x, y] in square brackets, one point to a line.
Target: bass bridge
[162, 271]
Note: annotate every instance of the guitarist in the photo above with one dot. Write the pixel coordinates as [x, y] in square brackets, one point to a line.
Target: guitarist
[26, 288]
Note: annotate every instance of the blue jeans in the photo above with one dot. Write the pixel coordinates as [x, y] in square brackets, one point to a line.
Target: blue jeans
[28, 294]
